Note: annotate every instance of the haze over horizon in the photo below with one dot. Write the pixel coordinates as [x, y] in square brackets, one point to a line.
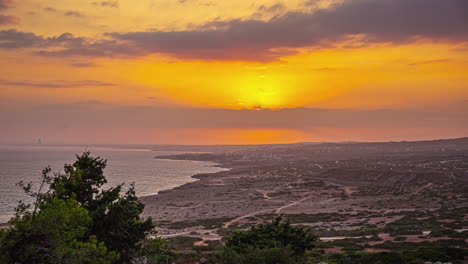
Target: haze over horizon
[232, 72]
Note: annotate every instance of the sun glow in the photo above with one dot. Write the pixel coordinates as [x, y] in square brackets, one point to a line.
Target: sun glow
[344, 78]
[260, 92]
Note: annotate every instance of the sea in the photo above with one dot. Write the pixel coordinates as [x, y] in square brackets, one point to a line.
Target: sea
[124, 165]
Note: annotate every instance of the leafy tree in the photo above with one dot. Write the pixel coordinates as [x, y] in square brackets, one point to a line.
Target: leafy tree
[117, 221]
[116, 217]
[280, 239]
[55, 234]
[74, 214]
[81, 181]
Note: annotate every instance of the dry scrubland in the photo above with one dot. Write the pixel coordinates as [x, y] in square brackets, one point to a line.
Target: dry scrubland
[356, 196]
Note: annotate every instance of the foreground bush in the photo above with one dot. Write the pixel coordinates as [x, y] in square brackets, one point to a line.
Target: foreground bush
[274, 243]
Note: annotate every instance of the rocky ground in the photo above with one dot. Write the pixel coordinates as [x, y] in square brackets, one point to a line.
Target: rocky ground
[334, 189]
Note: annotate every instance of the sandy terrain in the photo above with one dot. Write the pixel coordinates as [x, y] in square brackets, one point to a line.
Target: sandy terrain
[324, 191]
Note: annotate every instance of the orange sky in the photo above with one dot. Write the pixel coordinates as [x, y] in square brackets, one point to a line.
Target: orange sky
[212, 72]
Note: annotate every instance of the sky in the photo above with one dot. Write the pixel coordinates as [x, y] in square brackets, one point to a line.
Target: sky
[232, 72]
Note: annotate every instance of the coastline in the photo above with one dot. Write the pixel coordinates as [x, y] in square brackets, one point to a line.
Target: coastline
[125, 165]
[321, 187]
[324, 188]
[195, 176]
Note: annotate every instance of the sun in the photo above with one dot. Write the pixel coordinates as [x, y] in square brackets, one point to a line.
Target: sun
[260, 92]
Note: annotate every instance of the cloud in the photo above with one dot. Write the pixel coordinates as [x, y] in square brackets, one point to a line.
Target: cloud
[114, 4]
[93, 102]
[276, 8]
[4, 4]
[429, 62]
[50, 9]
[74, 14]
[99, 114]
[8, 20]
[396, 21]
[197, 2]
[374, 21]
[68, 13]
[99, 122]
[11, 39]
[63, 45]
[82, 64]
[56, 84]
[265, 11]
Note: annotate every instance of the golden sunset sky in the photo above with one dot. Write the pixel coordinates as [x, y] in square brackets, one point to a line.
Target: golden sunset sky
[232, 72]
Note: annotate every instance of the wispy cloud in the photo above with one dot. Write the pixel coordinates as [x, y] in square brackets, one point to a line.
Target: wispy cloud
[82, 64]
[114, 4]
[278, 7]
[197, 2]
[68, 13]
[8, 20]
[56, 84]
[74, 14]
[50, 9]
[4, 4]
[416, 63]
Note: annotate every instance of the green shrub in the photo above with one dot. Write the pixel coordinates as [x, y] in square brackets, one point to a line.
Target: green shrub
[380, 258]
[353, 248]
[276, 242]
[253, 255]
[154, 251]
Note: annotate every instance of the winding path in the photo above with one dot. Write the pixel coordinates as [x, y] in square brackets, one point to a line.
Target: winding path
[278, 210]
[228, 224]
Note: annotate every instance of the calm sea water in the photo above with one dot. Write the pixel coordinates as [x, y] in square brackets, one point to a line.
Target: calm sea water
[123, 166]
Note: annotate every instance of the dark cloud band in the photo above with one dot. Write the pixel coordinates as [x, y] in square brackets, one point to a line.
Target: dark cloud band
[56, 84]
[375, 21]
[97, 114]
